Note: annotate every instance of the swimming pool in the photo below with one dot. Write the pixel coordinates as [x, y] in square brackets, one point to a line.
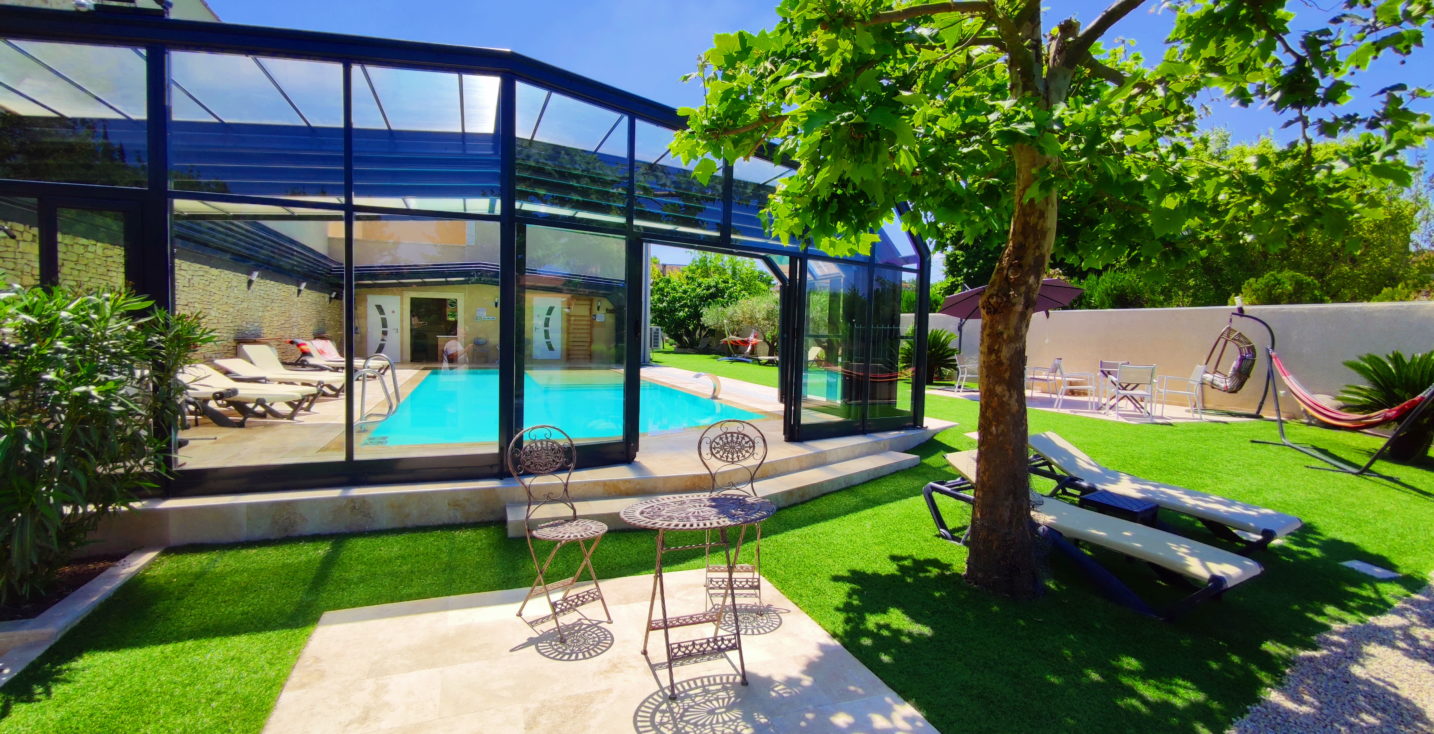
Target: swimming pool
[461, 406]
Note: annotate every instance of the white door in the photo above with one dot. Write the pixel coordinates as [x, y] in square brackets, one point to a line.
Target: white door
[548, 328]
[385, 334]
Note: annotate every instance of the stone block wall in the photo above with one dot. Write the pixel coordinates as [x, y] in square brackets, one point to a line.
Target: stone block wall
[20, 254]
[85, 264]
[272, 308]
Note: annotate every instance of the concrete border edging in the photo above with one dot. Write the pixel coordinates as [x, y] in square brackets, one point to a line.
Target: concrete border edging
[23, 640]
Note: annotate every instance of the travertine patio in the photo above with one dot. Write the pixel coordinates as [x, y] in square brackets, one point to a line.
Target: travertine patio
[467, 664]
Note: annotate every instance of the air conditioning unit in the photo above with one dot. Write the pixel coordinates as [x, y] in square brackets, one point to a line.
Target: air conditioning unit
[654, 337]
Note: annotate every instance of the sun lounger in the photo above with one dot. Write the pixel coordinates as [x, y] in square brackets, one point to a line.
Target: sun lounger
[1211, 571]
[266, 360]
[206, 386]
[1249, 525]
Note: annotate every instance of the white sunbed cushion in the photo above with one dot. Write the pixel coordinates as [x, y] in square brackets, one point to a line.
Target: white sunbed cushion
[1222, 510]
[245, 368]
[1187, 557]
[1183, 556]
[202, 378]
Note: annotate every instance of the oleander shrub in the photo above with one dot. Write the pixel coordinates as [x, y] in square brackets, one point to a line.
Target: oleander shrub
[84, 381]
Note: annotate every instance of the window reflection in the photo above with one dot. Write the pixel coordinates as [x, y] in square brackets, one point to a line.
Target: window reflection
[19, 242]
[256, 125]
[668, 197]
[72, 113]
[572, 158]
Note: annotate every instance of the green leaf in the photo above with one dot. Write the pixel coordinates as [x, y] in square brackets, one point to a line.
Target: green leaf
[704, 170]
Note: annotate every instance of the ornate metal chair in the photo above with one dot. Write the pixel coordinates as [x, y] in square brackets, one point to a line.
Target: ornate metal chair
[542, 458]
[733, 451]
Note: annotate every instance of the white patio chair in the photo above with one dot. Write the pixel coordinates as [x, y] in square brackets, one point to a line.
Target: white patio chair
[1075, 383]
[1134, 383]
[967, 371]
[1190, 389]
[1048, 376]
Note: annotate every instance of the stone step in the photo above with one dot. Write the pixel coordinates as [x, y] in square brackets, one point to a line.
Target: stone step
[783, 490]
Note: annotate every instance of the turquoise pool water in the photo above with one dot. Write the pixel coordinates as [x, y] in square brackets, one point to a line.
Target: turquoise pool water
[461, 406]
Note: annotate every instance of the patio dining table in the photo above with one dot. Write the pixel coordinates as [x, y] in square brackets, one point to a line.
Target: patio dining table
[706, 512]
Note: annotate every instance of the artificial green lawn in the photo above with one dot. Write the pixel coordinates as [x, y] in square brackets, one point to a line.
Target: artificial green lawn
[203, 639]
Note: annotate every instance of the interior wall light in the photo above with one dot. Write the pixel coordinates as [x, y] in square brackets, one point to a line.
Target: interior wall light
[333, 296]
[253, 277]
[5, 231]
[302, 286]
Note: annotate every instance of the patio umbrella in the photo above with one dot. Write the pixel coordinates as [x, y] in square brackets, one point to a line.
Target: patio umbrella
[966, 305]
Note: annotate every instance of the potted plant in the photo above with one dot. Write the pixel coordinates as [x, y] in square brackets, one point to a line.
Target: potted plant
[1393, 379]
[85, 381]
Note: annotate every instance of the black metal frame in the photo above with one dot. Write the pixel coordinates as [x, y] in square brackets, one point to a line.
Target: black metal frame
[1109, 584]
[150, 258]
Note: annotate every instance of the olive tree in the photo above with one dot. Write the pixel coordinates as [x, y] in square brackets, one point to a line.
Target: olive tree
[980, 115]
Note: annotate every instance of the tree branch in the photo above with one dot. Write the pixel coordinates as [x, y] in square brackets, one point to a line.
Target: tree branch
[1079, 48]
[1101, 71]
[759, 123]
[917, 11]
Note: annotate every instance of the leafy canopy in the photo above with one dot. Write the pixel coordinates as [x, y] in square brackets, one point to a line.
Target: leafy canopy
[678, 299]
[878, 106]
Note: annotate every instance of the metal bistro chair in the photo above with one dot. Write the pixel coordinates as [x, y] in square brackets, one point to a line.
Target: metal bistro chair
[546, 452]
[733, 451]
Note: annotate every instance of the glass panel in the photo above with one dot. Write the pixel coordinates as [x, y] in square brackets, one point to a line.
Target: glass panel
[836, 366]
[19, 242]
[752, 182]
[426, 298]
[72, 113]
[261, 277]
[575, 303]
[888, 393]
[572, 158]
[668, 197]
[255, 125]
[895, 247]
[92, 247]
[425, 140]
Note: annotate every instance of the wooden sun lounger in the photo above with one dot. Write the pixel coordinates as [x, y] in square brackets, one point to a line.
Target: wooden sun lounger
[1210, 571]
[1251, 526]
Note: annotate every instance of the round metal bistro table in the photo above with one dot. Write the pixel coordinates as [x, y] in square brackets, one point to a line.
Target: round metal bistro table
[702, 512]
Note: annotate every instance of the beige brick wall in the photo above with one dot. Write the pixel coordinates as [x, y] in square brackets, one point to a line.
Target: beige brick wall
[85, 264]
[272, 309]
[20, 255]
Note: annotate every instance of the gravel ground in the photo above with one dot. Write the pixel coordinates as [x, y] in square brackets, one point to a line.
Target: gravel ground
[1371, 677]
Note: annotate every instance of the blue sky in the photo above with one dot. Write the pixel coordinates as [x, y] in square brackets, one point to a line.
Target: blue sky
[645, 46]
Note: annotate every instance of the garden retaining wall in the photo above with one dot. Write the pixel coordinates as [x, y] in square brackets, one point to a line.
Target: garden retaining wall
[1313, 340]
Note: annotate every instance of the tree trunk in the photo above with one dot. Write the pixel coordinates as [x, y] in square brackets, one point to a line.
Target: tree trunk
[1001, 543]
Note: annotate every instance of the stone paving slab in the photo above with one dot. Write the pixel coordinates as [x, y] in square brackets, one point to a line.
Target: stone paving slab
[468, 664]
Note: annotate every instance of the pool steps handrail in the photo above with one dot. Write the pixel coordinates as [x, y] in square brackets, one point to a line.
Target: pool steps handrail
[374, 366]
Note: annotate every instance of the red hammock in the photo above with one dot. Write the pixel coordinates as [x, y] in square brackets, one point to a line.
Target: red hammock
[1338, 418]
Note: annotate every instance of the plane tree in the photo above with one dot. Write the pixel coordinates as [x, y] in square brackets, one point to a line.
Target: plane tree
[981, 116]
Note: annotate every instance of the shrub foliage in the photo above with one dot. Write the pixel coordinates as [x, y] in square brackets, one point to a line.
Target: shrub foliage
[84, 381]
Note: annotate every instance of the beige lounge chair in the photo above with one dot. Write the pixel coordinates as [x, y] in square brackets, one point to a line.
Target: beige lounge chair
[207, 386]
[1250, 525]
[267, 360]
[1212, 570]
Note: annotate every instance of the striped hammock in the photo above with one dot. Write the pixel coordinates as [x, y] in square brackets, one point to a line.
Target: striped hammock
[1338, 418]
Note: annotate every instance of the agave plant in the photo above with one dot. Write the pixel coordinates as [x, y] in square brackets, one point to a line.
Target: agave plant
[1394, 379]
[941, 353]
